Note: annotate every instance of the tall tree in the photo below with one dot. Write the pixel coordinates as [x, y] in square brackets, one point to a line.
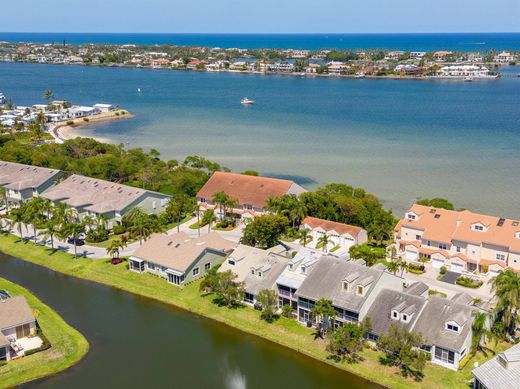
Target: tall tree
[224, 202]
[481, 334]
[324, 314]
[506, 287]
[269, 300]
[347, 341]
[48, 95]
[324, 240]
[264, 231]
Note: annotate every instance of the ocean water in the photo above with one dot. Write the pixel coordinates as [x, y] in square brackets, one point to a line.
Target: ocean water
[400, 139]
[407, 42]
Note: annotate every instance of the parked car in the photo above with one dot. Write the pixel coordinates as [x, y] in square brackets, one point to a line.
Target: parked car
[79, 242]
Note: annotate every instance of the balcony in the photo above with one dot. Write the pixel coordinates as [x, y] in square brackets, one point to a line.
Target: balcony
[286, 293]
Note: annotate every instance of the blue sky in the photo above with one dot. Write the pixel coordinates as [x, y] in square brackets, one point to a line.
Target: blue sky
[268, 16]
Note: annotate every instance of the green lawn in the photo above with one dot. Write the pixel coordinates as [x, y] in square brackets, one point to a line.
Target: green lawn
[68, 346]
[284, 331]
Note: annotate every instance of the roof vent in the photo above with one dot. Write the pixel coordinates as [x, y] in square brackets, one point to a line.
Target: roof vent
[501, 222]
[515, 223]
[433, 210]
[437, 216]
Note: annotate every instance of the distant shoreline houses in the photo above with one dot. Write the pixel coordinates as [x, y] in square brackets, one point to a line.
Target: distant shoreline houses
[321, 62]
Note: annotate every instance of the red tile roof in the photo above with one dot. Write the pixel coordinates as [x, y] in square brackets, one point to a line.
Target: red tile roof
[327, 225]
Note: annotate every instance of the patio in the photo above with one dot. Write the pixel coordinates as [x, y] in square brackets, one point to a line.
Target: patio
[22, 345]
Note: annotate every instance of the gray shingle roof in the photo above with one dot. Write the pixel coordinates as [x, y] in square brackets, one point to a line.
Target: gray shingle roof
[270, 268]
[326, 281]
[388, 300]
[417, 289]
[17, 176]
[15, 311]
[496, 375]
[95, 195]
[432, 323]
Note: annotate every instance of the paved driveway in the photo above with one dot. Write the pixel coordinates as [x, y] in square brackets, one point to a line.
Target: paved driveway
[450, 277]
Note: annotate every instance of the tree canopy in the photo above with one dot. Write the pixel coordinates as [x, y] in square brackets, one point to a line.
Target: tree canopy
[264, 231]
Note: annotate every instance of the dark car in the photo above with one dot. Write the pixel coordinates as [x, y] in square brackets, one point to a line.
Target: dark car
[79, 242]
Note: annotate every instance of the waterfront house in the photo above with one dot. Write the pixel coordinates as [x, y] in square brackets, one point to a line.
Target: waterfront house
[339, 234]
[25, 181]
[462, 241]
[442, 55]
[445, 326]
[105, 107]
[179, 258]
[95, 197]
[258, 269]
[17, 327]
[464, 71]
[292, 277]
[82, 111]
[504, 57]
[251, 192]
[501, 372]
[351, 286]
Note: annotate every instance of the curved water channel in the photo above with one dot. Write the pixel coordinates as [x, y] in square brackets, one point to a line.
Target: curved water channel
[137, 342]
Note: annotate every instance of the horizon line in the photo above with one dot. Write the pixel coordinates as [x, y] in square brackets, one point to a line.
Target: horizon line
[262, 33]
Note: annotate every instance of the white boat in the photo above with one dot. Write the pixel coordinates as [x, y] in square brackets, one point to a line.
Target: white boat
[2, 98]
[246, 101]
[468, 79]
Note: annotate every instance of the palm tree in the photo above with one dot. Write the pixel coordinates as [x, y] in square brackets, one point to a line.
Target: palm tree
[304, 235]
[51, 229]
[34, 213]
[3, 194]
[17, 219]
[403, 266]
[323, 312]
[40, 119]
[393, 266]
[141, 228]
[48, 94]
[36, 131]
[480, 334]
[224, 201]
[506, 287]
[114, 249]
[324, 240]
[73, 228]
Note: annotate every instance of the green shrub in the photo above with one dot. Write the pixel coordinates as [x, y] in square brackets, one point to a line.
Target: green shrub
[416, 268]
[70, 122]
[335, 248]
[97, 235]
[287, 311]
[424, 259]
[443, 270]
[118, 229]
[86, 119]
[468, 282]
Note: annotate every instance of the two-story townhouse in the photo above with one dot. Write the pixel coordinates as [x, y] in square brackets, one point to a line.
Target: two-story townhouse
[251, 192]
[462, 241]
[340, 234]
[351, 286]
[258, 269]
[22, 182]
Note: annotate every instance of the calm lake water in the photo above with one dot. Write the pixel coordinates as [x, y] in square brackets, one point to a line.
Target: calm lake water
[136, 342]
[407, 42]
[398, 139]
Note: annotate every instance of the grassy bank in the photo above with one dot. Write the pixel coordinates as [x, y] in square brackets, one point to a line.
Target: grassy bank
[68, 346]
[284, 331]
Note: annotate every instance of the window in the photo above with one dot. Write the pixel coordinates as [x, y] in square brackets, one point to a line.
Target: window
[443, 246]
[259, 274]
[444, 355]
[207, 266]
[231, 262]
[196, 271]
[253, 271]
[405, 317]
[290, 266]
[411, 216]
[429, 243]
[477, 227]
[360, 290]
[304, 269]
[345, 285]
[458, 249]
[395, 315]
[452, 327]
[202, 200]
[500, 257]
[417, 237]
[248, 206]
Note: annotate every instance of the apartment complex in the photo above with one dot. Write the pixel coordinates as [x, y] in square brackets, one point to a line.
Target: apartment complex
[339, 234]
[463, 241]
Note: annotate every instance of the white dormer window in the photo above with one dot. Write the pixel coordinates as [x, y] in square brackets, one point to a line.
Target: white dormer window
[478, 227]
[404, 317]
[290, 266]
[395, 315]
[231, 262]
[517, 235]
[452, 327]
[360, 290]
[253, 271]
[304, 269]
[259, 274]
[411, 216]
[345, 285]
[202, 200]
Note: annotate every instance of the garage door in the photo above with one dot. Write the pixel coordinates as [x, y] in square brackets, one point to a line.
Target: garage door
[410, 254]
[437, 263]
[456, 267]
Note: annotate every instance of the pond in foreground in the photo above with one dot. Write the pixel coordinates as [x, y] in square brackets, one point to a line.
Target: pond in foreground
[136, 342]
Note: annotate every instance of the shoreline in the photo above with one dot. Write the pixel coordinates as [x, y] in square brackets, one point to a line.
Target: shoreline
[149, 287]
[63, 131]
[57, 358]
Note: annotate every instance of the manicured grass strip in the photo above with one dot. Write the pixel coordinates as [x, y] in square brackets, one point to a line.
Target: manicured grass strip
[68, 346]
[283, 331]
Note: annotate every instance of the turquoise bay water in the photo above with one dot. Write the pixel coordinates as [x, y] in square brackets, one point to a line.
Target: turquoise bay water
[399, 139]
[407, 42]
